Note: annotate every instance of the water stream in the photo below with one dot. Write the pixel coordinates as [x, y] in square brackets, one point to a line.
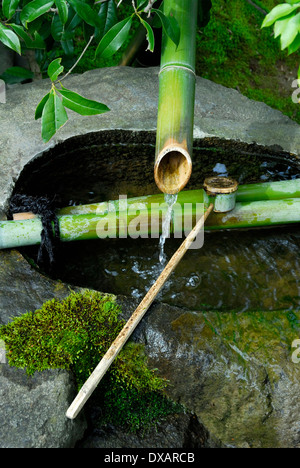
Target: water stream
[170, 201]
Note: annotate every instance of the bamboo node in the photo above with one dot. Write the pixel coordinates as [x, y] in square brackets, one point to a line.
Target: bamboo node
[174, 67]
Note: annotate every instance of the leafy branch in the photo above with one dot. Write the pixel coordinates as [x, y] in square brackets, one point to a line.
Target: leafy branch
[36, 24]
[285, 18]
[52, 109]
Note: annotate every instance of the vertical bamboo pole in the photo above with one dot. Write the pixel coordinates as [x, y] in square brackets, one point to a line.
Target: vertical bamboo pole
[177, 79]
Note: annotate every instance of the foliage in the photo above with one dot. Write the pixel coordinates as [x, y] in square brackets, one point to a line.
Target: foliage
[42, 25]
[286, 21]
[233, 50]
[74, 334]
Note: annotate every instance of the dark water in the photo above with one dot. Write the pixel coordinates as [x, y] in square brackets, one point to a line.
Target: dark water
[245, 270]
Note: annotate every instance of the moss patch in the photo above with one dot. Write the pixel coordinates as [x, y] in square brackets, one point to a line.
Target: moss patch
[74, 334]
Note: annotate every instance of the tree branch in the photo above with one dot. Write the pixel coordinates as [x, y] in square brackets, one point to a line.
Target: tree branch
[78, 60]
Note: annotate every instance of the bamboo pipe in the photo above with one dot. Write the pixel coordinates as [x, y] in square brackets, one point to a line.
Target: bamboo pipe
[245, 193]
[76, 227]
[105, 363]
[275, 203]
[175, 120]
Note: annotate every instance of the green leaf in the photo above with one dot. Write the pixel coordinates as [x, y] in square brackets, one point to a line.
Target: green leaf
[280, 25]
[295, 45]
[114, 38]
[55, 69]
[35, 42]
[141, 4]
[54, 116]
[279, 11]
[290, 32]
[34, 10]
[10, 39]
[63, 10]
[9, 7]
[16, 75]
[107, 17]
[150, 35]
[57, 28]
[85, 12]
[170, 26]
[81, 105]
[40, 107]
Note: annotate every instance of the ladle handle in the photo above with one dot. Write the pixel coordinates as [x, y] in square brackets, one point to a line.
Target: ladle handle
[94, 379]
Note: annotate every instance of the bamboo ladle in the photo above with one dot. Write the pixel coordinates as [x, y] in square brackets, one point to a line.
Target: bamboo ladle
[94, 379]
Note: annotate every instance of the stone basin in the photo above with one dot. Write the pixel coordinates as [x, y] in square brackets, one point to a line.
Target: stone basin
[233, 372]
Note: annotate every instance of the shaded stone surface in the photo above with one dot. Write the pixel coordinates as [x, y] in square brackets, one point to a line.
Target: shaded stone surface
[178, 431]
[234, 371]
[22, 288]
[32, 410]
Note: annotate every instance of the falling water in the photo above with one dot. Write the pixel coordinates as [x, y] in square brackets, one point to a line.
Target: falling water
[170, 201]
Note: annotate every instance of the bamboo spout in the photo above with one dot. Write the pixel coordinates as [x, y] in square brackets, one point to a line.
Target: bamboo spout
[175, 120]
[172, 169]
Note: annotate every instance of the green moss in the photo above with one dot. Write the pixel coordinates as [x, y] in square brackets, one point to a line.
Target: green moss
[74, 334]
[259, 335]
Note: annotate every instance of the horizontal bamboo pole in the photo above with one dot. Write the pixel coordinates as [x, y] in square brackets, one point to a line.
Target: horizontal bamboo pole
[93, 381]
[139, 220]
[269, 190]
[246, 193]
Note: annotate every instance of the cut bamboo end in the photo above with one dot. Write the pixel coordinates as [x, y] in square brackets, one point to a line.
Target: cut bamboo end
[21, 216]
[173, 169]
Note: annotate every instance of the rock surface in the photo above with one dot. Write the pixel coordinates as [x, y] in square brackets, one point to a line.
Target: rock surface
[23, 289]
[233, 372]
[32, 410]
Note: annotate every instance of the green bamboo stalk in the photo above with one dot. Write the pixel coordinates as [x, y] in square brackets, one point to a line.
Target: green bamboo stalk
[175, 121]
[269, 191]
[14, 234]
[246, 193]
